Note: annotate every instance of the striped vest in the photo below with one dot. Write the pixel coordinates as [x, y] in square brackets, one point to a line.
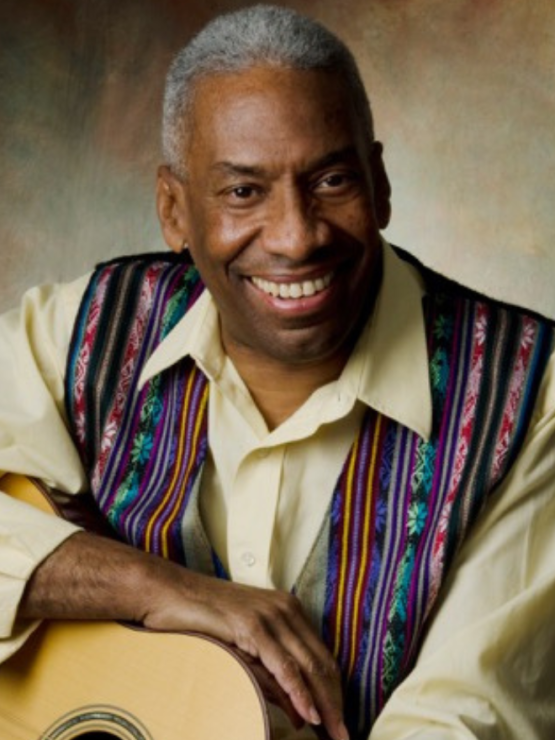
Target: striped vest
[402, 505]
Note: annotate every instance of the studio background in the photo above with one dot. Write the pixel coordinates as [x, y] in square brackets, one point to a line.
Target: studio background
[462, 92]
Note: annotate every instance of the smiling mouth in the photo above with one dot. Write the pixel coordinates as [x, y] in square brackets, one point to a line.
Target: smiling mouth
[303, 289]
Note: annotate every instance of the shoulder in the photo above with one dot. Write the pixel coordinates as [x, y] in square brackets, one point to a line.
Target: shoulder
[127, 293]
[440, 287]
[144, 279]
[147, 261]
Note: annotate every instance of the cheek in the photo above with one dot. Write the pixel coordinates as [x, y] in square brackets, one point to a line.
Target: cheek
[233, 233]
[224, 237]
[358, 223]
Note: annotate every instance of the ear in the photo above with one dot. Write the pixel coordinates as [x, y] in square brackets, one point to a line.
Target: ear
[382, 187]
[171, 207]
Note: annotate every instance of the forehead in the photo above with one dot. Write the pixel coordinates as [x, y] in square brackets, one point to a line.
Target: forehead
[268, 113]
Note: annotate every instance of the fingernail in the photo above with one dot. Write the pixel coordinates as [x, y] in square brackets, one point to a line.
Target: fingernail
[315, 718]
[343, 732]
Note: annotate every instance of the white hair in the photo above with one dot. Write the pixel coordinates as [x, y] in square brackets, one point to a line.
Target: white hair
[264, 35]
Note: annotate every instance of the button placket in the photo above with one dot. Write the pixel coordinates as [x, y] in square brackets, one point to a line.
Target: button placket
[252, 515]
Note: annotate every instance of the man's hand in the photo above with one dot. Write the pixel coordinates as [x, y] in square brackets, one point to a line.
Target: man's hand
[90, 577]
[267, 625]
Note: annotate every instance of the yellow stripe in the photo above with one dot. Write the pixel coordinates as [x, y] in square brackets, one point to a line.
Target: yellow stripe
[348, 496]
[152, 522]
[191, 462]
[365, 540]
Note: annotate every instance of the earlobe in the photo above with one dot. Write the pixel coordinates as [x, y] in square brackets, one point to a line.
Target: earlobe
[171, 209]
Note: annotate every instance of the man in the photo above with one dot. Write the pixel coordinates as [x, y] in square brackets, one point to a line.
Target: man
[325, 420]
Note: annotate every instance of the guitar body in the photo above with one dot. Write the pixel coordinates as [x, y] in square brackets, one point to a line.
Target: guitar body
[107, 681]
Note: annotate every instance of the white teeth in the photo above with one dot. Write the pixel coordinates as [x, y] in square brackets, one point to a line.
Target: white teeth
[293, 290]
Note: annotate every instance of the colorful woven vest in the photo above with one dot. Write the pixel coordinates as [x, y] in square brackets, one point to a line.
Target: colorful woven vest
[401, 506]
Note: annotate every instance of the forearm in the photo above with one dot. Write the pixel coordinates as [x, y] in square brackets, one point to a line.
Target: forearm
[92, 577]
[88, 577]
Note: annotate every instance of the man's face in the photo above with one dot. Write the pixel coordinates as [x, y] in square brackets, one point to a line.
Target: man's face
[283, 201]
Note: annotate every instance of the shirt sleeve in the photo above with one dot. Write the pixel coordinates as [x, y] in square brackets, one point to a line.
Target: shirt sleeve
[486, 669]
[34, 439]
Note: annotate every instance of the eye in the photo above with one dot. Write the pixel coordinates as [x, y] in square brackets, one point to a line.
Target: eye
[337, 181]
[242, 196]
[243, 192]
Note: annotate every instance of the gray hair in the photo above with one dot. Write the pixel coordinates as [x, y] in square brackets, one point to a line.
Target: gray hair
[263, 35]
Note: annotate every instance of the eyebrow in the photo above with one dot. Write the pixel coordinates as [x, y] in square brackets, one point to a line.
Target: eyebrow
[232, 168]
[331, 158]
[339, 155]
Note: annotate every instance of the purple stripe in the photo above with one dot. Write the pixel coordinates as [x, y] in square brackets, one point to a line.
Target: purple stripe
[135, 517]
[353, 537]
[170, 514]
[442, 472]
[395, 554]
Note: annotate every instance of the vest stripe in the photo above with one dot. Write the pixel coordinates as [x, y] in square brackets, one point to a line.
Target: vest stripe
[196, 397]
[364, 517]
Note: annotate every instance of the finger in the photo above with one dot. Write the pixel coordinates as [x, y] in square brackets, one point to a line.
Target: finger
[319, 671]
[266, 643]
[324, 682]
[289, 677]
[313, 690]
[272, 691]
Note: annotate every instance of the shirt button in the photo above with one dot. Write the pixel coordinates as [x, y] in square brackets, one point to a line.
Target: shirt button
[248, 559]
[261, 454]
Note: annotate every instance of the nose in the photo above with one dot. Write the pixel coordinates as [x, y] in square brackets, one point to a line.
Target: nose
[293, 227]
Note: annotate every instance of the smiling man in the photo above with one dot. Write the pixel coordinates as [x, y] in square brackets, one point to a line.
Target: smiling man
[307, 445]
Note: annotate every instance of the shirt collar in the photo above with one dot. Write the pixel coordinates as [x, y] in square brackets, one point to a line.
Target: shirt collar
[388, 370]
[196, 335]
[394, 377]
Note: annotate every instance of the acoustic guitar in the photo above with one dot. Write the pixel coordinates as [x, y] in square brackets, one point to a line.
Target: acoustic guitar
[107, 681]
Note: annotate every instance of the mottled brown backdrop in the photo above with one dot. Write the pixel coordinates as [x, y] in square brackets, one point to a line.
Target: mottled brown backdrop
[463, 98]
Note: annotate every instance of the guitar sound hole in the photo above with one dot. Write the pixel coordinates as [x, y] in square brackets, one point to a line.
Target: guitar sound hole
[96, 723]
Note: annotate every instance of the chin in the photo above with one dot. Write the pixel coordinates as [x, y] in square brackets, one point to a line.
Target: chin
[308, 350]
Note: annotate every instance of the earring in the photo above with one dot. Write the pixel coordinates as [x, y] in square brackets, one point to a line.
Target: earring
[185, 246]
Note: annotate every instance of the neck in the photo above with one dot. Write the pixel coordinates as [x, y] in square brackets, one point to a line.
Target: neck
[279, 389]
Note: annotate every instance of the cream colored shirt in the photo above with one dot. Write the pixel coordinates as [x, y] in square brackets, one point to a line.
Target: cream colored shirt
[491, 641]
